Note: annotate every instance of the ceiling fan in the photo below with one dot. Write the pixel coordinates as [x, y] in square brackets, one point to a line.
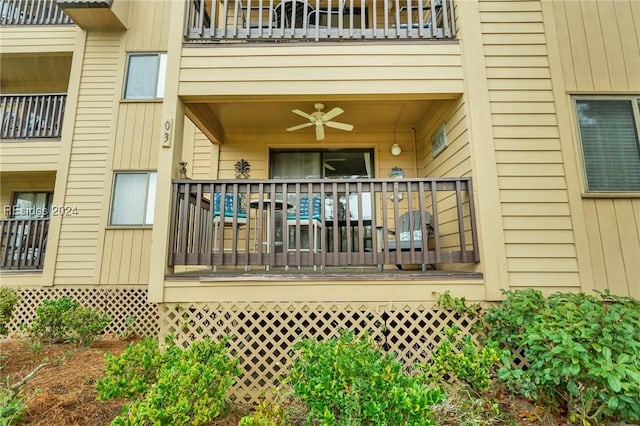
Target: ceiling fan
[320, 119]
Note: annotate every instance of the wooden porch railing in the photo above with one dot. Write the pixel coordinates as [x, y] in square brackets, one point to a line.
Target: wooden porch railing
[343, 222]
[23, 243]
[32, 12]
[31, 116]
[315, 20]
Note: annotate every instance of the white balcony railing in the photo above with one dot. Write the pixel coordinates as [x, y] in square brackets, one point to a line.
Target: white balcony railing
[316, 20]
[31, 116]
[32, 12]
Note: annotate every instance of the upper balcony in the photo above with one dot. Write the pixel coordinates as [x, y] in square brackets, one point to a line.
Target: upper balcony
[32, 12]
[31, 116]
[318, 20]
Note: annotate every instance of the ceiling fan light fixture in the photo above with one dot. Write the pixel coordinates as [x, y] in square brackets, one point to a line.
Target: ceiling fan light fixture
[320, 118]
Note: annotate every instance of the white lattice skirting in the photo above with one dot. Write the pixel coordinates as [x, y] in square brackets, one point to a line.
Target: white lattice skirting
[264, 334]
[128, 308]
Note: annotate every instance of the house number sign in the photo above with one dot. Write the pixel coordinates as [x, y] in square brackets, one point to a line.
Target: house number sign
[167, 132]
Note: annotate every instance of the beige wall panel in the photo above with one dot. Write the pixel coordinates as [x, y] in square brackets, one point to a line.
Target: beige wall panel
[203, 156]
[535, 237]
[600, 52]
[35, 39]
[43, 155]
[308, 69]
[125, 258]
[599, 41]
[147, 24]
[137, 136]
[547, 282]
[536, 209]
[538, 169]
[613, 228]
[92, 142]
[278, 291]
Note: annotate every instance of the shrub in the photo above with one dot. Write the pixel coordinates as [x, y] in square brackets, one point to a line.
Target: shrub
[12, 407]
[132, 373]
[582, 351]
[65, 320]
[348, 381]
[268, 413]
[180, 387]
[8, 299]
[463, 361]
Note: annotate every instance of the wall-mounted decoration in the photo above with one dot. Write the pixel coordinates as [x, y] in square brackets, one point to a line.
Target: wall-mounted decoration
[396, 172]
[182, 169]
[438, 141]
[242, 169]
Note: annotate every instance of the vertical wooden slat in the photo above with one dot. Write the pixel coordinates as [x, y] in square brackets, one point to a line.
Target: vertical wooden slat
[436, 227]
[463, 244]
[472, 217]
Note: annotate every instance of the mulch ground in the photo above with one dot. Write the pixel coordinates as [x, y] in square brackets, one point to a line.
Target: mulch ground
[63, 392]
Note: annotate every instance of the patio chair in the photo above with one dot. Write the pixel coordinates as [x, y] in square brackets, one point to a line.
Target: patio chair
[292, 14]
[233, 210]
[409, 232]
[412, 14]
[313, 220]
[324, 18]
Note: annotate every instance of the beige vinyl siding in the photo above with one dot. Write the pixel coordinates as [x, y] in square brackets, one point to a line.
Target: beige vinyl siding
[614, 244]
[126, 252]
[43, 155]
[37, 39]
[453, 161]
[148, 25]
[600, 53]
[203, 154]
[137, 136]
[126, 256]
[87, 175]
[256, 150]
[600, 44]
[538, 229]
[308, 69]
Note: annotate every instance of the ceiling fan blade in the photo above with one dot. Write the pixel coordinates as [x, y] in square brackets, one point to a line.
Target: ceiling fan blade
[319, 132]
[329, 167]
[336, 111]
[299, 126]
[341, 126]
[302, 114]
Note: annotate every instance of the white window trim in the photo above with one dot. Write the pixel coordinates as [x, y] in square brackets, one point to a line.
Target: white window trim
[161, 75]
[149, 201]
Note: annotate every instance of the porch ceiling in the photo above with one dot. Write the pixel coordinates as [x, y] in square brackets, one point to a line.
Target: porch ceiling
[251, 117]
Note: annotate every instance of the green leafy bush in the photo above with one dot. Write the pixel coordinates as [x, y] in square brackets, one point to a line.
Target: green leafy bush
[461, 360]
[132, 373]
[12, 407]
[268, 413]
[348, 381]
[582, 351]
[8, 299]
[176, 386]
[65, 320]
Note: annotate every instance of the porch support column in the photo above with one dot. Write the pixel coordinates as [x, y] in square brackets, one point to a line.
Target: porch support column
[483, 156]
[169, 156]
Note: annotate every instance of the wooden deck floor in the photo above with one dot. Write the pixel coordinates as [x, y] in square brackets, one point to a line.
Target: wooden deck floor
[326, 274]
